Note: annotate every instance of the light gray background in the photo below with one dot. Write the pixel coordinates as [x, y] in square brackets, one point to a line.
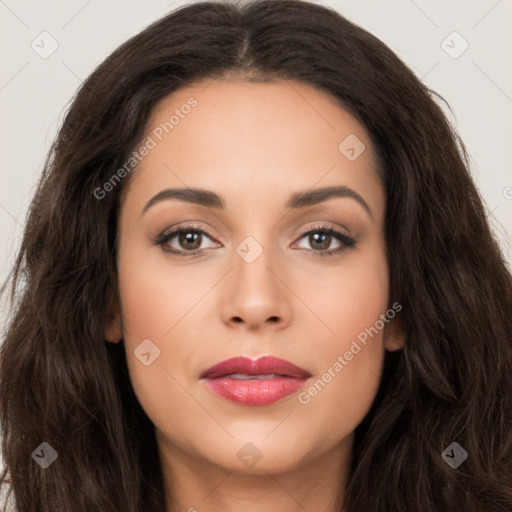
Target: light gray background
[34, 91]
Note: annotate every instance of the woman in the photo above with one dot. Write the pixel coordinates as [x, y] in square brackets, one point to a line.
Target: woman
[337, 337]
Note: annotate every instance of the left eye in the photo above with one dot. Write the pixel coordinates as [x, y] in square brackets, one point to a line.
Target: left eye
[320, 240]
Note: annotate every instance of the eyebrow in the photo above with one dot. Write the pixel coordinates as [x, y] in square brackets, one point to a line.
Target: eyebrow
[297, 200]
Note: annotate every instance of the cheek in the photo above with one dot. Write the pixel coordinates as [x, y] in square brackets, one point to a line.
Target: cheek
[155, 295]
[155, 299]
[350, 351]
[347, 298]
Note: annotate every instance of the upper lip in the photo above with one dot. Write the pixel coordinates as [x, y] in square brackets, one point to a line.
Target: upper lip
[262, 366]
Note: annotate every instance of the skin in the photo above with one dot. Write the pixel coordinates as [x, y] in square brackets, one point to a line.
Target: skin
[253, 144]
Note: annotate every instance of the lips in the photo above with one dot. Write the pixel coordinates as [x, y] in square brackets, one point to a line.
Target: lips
[267, 365]
[260, 382]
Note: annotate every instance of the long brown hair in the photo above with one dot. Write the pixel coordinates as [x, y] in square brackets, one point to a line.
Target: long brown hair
[63, 384]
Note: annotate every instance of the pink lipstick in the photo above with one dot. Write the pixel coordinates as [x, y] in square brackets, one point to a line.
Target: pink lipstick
[254, 382]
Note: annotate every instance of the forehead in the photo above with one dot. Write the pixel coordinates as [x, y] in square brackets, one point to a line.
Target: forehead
[244, 138]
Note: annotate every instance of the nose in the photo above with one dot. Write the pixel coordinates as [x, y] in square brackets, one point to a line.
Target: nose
[256, 295]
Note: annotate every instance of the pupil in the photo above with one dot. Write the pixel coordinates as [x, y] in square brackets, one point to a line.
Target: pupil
[323, 245]
[188, 238]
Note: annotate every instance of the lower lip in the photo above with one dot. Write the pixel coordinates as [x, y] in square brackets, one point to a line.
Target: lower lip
[254, 391]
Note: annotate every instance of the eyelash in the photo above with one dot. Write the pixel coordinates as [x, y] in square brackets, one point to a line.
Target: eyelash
[346, 241]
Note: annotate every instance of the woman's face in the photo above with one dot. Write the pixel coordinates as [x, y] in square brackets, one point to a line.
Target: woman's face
[261, 282]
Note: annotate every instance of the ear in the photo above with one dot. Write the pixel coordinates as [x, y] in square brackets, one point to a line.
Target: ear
[394, 335]
[113, 327]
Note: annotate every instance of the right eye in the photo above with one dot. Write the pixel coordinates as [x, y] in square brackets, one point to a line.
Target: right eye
[189, 237]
